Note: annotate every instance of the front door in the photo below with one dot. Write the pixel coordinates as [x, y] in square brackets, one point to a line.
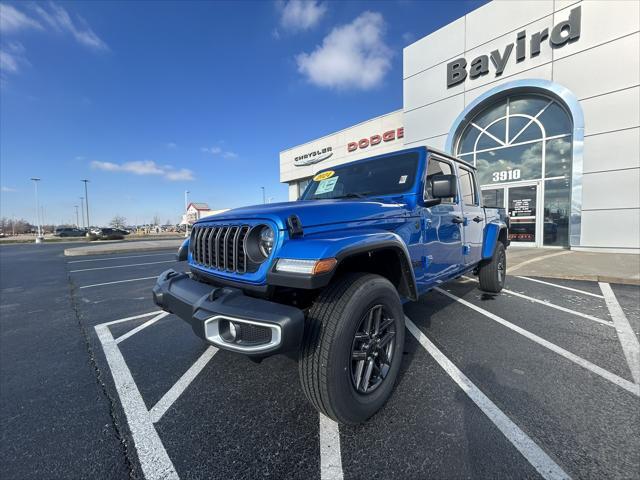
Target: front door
[521, 203]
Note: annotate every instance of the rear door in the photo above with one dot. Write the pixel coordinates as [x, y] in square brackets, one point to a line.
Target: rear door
[473, 215]
[442, 233]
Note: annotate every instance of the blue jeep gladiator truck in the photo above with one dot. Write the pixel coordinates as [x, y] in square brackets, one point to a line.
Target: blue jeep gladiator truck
[324, 278]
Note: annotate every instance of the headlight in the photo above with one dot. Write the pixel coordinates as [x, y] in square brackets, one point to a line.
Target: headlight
[259, 243]
[266, 241]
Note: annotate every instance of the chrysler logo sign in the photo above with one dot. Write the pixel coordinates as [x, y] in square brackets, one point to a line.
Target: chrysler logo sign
[313, 157]
[564, 32]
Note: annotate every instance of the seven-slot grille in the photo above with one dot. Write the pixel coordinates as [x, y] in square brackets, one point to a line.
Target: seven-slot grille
[220, 247]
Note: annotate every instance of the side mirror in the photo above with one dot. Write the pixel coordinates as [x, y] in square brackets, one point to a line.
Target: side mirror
[444, 186]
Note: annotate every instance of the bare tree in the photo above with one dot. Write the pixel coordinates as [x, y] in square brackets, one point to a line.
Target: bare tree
[156, 220]
[118, 221]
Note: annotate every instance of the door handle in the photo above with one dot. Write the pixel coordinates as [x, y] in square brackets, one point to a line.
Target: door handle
[457, 219]
[477, 219]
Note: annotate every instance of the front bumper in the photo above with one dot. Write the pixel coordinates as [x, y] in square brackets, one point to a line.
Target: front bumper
[261, 327]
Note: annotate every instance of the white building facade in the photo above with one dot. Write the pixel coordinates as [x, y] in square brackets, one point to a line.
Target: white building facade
[543, 97]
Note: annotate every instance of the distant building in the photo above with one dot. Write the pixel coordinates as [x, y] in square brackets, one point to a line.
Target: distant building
[196, 211]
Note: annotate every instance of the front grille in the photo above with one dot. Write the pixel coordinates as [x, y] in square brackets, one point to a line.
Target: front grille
[252, 334]
[220, 247]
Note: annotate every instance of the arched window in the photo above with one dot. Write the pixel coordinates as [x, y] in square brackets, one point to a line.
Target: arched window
[521, 137]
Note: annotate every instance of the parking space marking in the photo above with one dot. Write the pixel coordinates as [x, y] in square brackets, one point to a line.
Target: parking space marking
[537, 259]
[628, 339]
[168, 399]
[141, 327]
[607, 375]
[154, 460]
[135, 317]
[330, 456]
[119, 258]
[562, 286]
[119, 281]
[121, 266]
[553, 305]
[537, 457]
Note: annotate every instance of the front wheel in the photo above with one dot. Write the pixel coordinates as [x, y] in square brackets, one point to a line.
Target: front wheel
[351, 354]
[493, 273]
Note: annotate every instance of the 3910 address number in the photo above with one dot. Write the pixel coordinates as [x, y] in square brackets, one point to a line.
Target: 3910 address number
[505, 175]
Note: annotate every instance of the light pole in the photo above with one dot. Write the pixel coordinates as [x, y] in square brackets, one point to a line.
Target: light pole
[186, 206]
[86, 201]
[35, 184]
[77, 218]
[264, 199]
[82, 209]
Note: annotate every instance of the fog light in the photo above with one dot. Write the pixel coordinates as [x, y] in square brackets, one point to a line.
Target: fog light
[233, 331]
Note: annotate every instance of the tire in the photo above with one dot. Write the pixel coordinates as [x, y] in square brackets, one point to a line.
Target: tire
[328, 369]
[493, 273]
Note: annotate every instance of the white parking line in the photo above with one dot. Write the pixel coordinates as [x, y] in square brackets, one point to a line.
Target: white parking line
[135, 317]
[545, 466]
[553, 305]
[118, 281]
[154, 460]
[120, 266]
[141, 327]
[627, 336]
[127, 256]
[330, 456]
[562, 286]
[607, 375]
[160, 408]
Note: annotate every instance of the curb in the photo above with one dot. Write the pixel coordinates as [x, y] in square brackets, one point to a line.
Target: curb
[591, 278]
[105, 250]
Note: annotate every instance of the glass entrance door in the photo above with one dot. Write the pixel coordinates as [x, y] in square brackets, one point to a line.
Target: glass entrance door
[521, 203]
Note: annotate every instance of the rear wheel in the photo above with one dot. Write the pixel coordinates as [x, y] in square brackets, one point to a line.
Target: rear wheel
[493, 273]
[353, 346]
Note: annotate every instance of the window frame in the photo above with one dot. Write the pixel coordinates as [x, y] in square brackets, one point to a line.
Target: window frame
[474, 187]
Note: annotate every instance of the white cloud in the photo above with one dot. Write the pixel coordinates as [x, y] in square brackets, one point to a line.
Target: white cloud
[8, 189]
[217, 151]
[8, 63]
[298, 15]
[60, 20]
[13, 20]
[12, 57]
[144, 167]
[354, 55]
[171, 145]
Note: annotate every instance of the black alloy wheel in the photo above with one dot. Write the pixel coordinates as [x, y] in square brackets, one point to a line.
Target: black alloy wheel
[372, 349]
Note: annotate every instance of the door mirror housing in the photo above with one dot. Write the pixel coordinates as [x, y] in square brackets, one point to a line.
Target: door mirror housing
[444, 186]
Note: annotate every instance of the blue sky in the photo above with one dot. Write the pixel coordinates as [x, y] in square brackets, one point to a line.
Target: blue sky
[149, 99]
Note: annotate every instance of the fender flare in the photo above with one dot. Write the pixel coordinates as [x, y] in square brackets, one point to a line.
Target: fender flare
[407, 288]
[491, 238]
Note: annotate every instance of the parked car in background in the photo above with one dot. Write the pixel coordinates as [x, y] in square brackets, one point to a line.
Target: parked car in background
[69, 232]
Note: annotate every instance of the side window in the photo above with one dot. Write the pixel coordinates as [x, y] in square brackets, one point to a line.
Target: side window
[437, 167]
[467, 187]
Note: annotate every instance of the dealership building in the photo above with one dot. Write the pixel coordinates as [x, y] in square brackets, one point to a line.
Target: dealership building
[542, 96]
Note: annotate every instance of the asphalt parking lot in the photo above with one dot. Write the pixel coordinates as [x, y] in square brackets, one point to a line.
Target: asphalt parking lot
[539, 381]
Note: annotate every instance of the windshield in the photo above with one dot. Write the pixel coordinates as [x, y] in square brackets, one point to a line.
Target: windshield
[385, 176]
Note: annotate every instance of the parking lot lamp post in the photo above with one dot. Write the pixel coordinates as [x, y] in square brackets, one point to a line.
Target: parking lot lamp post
[264, 198]
[82, 209]
[186, 207]
[39, 236]
[86, 201]
[77, 217]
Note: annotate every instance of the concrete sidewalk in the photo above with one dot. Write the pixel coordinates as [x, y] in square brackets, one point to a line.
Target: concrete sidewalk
[574, 265]
[117, 247]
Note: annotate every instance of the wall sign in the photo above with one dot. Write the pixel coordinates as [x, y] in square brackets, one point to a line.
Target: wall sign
[564, 32]
[388, 136]
[313, 157]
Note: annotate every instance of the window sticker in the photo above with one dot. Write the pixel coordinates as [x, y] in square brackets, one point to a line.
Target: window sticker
[403, 179]
[324, 175]
[327, 185]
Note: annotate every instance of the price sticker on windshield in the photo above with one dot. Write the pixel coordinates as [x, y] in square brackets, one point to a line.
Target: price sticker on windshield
[323, 176]
[327, 185]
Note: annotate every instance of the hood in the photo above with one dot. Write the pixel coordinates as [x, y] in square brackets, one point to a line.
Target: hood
[317, 212]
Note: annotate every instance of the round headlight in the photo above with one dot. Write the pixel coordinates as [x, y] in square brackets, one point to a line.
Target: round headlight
[266, 241]
[259, 243]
